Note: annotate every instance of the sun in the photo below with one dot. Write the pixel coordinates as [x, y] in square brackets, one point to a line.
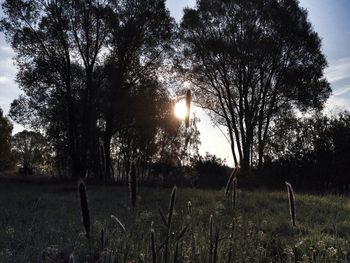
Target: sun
[180, 109]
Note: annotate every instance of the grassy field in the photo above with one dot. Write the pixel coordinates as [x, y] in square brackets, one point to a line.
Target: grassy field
[42, 223]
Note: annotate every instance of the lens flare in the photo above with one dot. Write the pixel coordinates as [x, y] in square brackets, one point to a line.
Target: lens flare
[180, 109]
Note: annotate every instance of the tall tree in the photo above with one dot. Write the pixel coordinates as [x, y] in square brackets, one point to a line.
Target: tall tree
[6, 158]
[248, 61]
[30, 149]
[141, 34]
[58, 45]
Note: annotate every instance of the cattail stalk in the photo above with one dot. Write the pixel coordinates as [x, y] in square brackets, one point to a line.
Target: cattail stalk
[170, 216]
[211, 233]
[230, 180]
[291, 198]
[171, 206]
[153, 247]
[84, 208]
[132, 183]
[189, 207]
[234, 192]
[102, 240]
[216, 246]
[188, 106]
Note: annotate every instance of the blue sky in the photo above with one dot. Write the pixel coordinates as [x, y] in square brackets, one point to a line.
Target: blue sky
[330, 19]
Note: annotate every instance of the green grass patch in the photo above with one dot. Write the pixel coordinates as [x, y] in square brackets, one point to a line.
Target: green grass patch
[42, 223]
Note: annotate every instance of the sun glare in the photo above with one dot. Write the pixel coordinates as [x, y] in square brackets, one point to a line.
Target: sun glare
[180, 109]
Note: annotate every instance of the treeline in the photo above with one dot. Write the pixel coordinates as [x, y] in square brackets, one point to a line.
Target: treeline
[89, 75]
[99, 79]
[33, 154]
[313, 153]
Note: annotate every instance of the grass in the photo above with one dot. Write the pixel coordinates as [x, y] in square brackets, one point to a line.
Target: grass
[43, 223]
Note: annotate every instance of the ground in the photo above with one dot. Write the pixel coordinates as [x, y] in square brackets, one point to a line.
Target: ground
[42, 223]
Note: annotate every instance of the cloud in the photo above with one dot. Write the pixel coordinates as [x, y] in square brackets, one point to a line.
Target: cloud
[339, 70]
[342, 90]
[6, 50]
[8, 88]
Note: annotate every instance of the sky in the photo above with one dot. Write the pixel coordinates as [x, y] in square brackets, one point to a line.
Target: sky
[330, 19]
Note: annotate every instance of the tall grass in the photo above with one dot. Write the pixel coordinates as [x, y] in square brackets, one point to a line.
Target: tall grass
[170, 218]
[84, 205]
[229, 184]
[153, 246]
[133, 183]
[234, 193]
[119, 223]
[291, 198]
[261, 232]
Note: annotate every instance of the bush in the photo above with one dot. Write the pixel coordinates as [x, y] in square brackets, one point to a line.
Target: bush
[211, 171]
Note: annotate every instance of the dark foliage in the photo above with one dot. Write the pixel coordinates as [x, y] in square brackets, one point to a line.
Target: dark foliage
[211, 171]
[6, 157]
[313, 155]
[248, 61]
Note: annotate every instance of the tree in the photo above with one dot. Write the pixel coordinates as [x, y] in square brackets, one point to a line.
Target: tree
[30, 150]
[248, 61]
[211, 170]
[6, 158]
[58, 45]
[148, 132]
[312, 152]
[75, 59]
[141, 37]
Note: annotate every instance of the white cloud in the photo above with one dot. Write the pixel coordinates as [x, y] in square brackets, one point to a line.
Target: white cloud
[6, 50]
[338, 70]
[342, 90]
[3, 80]
[8, 88]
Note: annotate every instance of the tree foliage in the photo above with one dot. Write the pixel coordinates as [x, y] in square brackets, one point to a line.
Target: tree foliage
[313, 153]
[248, 61]
[31, 151]
[6, 158]
[80, 64]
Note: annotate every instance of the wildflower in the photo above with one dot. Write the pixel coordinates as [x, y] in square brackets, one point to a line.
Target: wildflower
[332, 251]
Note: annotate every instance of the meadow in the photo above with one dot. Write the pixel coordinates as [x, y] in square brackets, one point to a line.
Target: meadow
[43, 223]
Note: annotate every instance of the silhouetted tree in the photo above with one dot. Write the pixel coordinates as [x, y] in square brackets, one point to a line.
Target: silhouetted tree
[58, 45]
[30, 150]
[313, 153]
[6, 158]
[210, 170]
[141, 34]
[248, 61]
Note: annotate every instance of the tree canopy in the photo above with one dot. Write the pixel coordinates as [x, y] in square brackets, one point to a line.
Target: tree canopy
[94, 76]
[31, 150]
[78, 63]
[248, 61]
